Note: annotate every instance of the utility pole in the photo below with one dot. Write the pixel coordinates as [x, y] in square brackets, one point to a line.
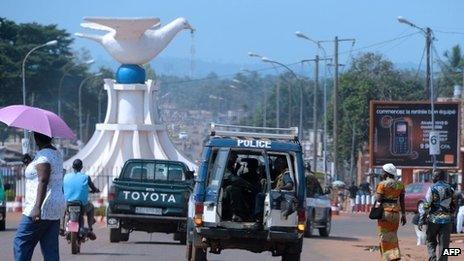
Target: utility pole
[335, 110]
[316, 86]
[429, 87]
[352, 152]
[428, 44]
[316, 61]
[435, 150]
[335, 105]
[265, 108]
[289, 105]
[278, 102]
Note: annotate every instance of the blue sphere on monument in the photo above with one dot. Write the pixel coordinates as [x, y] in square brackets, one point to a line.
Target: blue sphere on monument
[130, 73]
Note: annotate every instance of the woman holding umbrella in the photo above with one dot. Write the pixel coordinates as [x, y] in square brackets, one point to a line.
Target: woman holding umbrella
[44, 200]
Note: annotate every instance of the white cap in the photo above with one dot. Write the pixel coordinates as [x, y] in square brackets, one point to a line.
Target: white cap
[389, 168]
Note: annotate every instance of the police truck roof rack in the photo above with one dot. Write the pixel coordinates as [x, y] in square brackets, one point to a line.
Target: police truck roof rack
[224, 130]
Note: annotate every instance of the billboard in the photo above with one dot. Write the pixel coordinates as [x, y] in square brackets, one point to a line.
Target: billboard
[399, 134]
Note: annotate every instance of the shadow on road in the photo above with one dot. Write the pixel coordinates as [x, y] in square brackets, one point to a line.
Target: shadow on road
[338, 238]
[155, 243]
[109, 254]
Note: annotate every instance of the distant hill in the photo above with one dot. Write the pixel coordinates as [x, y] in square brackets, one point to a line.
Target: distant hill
[181, 67]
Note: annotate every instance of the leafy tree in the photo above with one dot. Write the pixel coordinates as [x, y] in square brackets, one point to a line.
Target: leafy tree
[45, 68]
[451, 71]
[370, 77]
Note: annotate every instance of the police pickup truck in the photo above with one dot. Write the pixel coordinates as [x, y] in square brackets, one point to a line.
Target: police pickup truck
[151, 196]
[249, 193]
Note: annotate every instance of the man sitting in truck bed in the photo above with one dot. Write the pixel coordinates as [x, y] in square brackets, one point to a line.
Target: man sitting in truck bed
[240, 188]
[283, 181]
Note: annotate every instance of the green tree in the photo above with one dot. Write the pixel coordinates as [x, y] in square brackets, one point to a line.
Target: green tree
[44, 70]
[369, 77]
[451, 71]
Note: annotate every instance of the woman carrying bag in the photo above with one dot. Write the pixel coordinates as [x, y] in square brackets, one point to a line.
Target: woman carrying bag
[390, 195]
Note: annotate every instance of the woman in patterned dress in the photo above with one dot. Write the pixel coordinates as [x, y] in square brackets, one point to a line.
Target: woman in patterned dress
[390, 193]
[44, 203]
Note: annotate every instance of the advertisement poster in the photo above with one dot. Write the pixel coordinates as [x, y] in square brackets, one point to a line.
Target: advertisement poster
[399, 133]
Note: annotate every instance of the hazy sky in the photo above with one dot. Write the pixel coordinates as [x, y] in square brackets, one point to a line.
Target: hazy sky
[227, 30]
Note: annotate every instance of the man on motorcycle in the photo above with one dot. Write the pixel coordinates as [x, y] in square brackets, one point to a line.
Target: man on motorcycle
[76, 188]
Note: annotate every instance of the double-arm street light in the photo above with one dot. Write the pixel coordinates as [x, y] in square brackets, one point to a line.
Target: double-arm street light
[80, 101]
[50, 43]
[324, 141]
[428, 77]
[336, 42]
[267, 60]
[66, 69]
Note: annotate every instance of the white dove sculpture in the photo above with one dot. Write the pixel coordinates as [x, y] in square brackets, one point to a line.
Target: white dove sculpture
[133, 40]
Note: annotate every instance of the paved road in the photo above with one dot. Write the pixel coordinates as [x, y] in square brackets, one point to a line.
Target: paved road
[351, 238]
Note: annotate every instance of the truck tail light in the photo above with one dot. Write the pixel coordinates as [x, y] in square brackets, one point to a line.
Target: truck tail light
[111, 193]
[301, 220]
[198, 219]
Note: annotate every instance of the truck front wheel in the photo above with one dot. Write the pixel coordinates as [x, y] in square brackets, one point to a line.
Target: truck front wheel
[115, 235]
[2, 225]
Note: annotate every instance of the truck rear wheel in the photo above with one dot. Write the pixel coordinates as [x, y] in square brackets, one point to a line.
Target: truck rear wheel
[291, 257]
[181, 237]
[325, 231]
[2, 225]
[309, 230]
[125, 237]
[115, 235]
[198, 254]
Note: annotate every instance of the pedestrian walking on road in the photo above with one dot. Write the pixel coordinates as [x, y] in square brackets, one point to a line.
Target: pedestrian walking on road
[44, 203]
[390, 193]
[353, 189]
[438, 208]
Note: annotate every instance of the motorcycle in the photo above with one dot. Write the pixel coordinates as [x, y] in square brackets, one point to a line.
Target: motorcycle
[75, 232]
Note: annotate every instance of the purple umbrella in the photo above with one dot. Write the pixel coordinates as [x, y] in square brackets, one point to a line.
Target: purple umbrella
[36, 119]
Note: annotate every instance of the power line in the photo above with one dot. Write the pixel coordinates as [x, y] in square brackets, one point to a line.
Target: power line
[448, 32]
[295, 63]
[420, 64]
[396, 45]
[381, 43]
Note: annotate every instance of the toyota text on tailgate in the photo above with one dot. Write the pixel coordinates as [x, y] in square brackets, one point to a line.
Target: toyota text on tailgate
[151, 196]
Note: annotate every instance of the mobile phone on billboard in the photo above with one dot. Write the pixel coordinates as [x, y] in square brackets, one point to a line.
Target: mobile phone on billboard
[400, 137]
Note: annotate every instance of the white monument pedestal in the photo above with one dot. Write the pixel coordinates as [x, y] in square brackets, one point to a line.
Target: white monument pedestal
[129, 131]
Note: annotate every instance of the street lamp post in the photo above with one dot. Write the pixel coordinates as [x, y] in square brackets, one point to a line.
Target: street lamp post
[267, 60]
[316, 61]
[218, 99]
[265, 97]
[65, 73]
[336, 42]
[80, 102]
[324, 139]
[50, 43]
[428, 77]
